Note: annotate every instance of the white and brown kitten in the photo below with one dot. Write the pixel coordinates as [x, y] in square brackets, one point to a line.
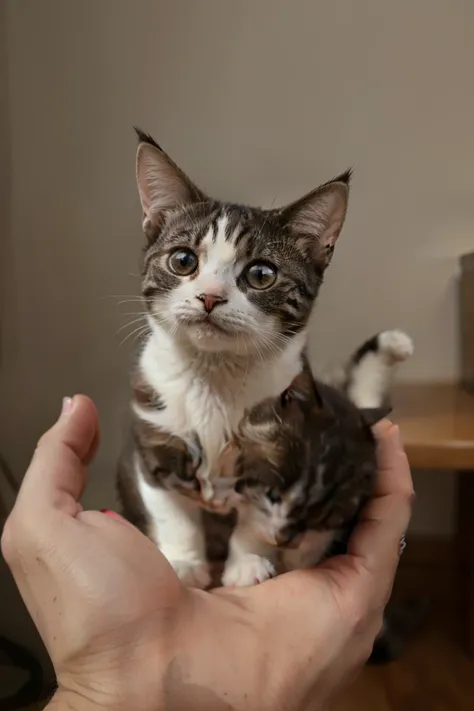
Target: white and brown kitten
[228, 290]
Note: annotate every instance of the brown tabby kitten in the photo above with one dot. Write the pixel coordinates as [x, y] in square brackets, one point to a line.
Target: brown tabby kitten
[303, 466]
[303, 462]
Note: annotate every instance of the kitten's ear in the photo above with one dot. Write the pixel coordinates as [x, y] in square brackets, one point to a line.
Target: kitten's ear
[302, 385]
[372, 415]
[328, 396]
[317, 218]
[162, 185]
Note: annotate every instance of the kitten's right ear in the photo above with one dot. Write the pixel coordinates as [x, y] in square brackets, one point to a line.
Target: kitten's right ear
[317, 218]
[162, 185]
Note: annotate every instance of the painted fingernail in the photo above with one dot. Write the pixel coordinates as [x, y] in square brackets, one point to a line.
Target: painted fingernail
[67, 405]
[395, 435]
[115, 515]
[108, 512]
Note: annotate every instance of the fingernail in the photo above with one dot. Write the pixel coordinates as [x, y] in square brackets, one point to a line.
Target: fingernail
[115, 515]
[67, 406]
[396, 435]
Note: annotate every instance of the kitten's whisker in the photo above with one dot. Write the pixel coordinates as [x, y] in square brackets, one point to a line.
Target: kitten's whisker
[259, 352]
[273, 348]
[121, 296]
[130, 301]
[159, 318]
[130, 323]
[139, 331]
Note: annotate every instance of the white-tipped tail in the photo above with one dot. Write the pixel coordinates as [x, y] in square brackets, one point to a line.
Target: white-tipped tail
[396, 344]
[371, 369]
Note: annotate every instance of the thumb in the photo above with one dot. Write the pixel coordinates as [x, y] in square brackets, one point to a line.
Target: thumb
[77, 428]
[56, 476]
[373, 550]
[385, 519]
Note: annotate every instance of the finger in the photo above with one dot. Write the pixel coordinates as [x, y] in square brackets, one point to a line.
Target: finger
[375, 542]
[394, 474]
[57, 474]
[77, 427]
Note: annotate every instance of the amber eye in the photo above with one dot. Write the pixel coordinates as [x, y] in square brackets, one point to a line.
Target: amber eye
[183, 262]
[260, 275]
[274, 496]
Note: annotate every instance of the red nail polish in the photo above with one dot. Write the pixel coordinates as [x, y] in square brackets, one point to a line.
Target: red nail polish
[115, 515]
[108, 512]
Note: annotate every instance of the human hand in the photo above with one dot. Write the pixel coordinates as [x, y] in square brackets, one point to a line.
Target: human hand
[103, 598]
[123, 633]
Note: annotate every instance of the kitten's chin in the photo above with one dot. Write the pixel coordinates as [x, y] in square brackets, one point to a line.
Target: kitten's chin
[210, 338]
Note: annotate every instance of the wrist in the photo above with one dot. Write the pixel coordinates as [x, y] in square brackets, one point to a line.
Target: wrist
[134, 684]
[64, 700]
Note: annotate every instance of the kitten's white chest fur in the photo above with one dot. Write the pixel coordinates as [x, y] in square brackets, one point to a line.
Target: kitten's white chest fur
[207, 394]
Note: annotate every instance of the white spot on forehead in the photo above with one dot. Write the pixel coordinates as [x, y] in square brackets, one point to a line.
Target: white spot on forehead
[219, 252]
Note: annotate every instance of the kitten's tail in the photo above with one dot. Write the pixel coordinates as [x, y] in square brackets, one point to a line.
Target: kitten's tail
[370, 370]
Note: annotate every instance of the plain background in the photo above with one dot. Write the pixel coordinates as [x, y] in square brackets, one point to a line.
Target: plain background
[259, 101]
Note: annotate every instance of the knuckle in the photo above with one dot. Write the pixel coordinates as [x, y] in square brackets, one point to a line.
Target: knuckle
[408, 492]
[19, 538]
[373, 630]
[357, 614]
[8, 544]
[43, 440]
[378, 622]
[406, 496]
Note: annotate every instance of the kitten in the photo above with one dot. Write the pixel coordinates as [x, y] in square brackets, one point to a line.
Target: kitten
[303, 464]
[228, 291]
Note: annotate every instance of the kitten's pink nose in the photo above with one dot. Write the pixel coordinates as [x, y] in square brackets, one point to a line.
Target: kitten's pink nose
[211, 300]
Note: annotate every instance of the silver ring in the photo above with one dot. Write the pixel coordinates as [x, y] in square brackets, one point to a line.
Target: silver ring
[402, 546]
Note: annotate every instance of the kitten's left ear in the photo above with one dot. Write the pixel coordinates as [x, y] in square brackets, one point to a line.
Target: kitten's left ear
[302, 385]
[317, 218]
[372, 415]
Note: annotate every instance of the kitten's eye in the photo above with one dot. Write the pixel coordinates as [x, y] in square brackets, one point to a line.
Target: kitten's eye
[285, 397]
[260, 275]
[274, 496]
[183, 262]
[246, 483]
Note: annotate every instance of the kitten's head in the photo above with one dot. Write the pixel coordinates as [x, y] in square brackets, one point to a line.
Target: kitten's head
[304, 460]
[228, 277]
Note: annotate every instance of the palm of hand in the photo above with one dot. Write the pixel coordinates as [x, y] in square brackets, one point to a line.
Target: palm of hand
[123, 633]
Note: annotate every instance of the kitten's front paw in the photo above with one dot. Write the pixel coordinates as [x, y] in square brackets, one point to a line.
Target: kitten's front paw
[192, 574]
[247, 570]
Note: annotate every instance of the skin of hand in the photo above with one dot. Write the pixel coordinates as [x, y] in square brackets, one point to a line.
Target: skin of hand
[123, 633]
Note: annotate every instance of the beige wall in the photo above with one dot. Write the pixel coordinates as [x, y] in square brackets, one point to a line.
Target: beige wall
[14, 622]
[259, 100]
